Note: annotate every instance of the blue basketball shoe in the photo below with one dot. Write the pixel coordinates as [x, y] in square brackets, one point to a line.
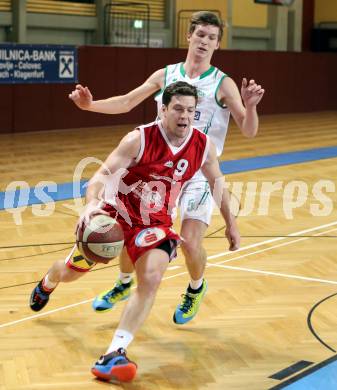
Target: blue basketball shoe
[189, 307]
[107, 299]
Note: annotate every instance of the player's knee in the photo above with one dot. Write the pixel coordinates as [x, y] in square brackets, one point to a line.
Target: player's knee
[191, 246]
[149, 283]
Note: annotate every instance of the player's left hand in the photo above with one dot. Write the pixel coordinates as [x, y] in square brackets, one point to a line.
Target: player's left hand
[233, 236]
[251, 93]
[91, 209]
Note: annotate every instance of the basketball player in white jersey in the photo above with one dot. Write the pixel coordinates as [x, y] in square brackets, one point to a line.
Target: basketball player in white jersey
[218, 98]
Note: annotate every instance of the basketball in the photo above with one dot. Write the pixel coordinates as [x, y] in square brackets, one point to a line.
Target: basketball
[101, 239]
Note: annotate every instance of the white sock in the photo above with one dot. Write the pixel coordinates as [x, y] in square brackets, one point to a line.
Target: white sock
[121, 339]
[48, 284]
[125, 277]
[195, 284]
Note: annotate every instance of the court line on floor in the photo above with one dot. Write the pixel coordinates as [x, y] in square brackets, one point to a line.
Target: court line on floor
[269, 248]
[289, 276]
[34, 316]
[71, 190]
[274, 240]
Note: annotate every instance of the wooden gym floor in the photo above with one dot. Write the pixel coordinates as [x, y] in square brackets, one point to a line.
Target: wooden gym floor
[257, 316]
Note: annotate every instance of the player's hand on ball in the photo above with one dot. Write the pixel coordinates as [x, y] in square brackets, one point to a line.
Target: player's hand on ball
[81, 96]
[91, 209]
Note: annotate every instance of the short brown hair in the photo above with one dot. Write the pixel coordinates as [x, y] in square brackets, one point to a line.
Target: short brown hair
[179, 88]
[204, 18]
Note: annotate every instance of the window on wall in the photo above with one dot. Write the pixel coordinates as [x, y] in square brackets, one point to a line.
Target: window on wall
[275, 2]
[81, 1]
[157, 8]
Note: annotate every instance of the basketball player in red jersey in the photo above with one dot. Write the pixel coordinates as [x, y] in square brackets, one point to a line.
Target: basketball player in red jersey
[153, 161]
[219, 98]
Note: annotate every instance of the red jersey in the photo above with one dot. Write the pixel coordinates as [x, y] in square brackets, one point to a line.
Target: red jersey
[148, 193]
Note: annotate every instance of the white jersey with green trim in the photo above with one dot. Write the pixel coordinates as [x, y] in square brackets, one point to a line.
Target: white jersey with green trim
[210, 116]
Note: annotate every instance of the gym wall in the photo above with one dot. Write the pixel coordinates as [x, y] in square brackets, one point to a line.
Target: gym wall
[294, 82]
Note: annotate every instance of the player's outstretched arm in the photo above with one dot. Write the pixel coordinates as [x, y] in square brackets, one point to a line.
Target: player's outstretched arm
[82, 96]
[244, 114]
[212, 172]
